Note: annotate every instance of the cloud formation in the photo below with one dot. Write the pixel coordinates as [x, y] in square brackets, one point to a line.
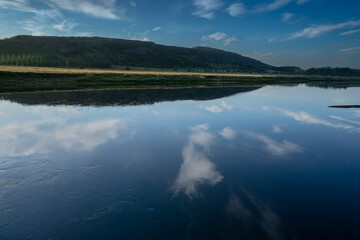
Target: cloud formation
[65, 26]
[236, 9]
[228, 133]
[349, 50]
[287, 16]
[305, 117]
[215, 36]
[217, 108]
[350, 32]
[100, 9]
[276, 148]
[275, 5]
[317, 31]
[48, 135]
[196, 169]
[206, 8]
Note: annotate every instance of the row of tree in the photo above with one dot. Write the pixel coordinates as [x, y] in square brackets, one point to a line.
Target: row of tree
[23, 60]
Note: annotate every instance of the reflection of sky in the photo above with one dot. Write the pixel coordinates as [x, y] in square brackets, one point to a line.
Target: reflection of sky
[119, 163]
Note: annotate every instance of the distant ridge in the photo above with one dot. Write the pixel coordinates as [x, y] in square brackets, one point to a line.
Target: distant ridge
[99, 52]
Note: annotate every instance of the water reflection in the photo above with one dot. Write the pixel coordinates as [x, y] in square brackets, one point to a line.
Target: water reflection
[308, 118]
[197, 169]
[35, 137]
[180, 169]
[126, 97]
[276, 148]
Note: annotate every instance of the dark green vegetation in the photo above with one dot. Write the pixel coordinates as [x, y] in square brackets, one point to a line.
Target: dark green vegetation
[97, 52]
[28, 82]
[123, 97]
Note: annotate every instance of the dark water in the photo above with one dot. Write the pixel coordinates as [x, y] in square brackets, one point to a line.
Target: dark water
[236, 163]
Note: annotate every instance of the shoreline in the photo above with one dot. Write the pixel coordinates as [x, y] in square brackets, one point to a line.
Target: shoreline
[40, 79]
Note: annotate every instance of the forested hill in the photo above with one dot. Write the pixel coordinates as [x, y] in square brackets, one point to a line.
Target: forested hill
[106, 52]
[98, 52]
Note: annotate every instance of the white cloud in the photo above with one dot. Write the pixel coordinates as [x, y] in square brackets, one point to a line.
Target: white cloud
[344, 119]
[236, 9]
[17, 5]
[230, 40]
[196, 169]
[228, 133]
[349, 50]
[309, 119]
[277, 148]
[132, 3]
[276, 129]
[300, 2]
[218, 108]
[65, 26]
[350, 32]
[287, 16]
[36, 28]
[100, 9]
[316, 31]
[271, 6]
[156, 29]
[48, 135]
[206, 8]
[215, 36]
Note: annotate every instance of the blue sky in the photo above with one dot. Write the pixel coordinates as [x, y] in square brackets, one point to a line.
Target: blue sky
[305, 33]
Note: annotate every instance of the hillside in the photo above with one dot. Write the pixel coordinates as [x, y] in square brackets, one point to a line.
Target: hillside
[98, 52]
[106, 52]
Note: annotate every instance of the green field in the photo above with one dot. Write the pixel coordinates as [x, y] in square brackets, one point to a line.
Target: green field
[29, 79]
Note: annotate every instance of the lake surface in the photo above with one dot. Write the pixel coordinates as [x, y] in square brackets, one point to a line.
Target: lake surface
[234, 163]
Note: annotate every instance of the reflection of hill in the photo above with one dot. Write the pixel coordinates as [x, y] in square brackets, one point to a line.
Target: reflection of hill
[123, 97]
[333, 85]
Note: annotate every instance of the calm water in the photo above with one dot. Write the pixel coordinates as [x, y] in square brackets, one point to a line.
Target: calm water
[236, 163]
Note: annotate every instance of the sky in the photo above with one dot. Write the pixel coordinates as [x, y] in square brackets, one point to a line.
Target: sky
[304, 33]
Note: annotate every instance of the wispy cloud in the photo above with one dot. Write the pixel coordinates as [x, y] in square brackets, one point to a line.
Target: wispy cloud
[100, 9]
[230, 40]
[206, 8]
[344, 119]
[215, 36]
[349, 50]
[276, 148]
[132, 3]
[17, 5]
[276, 129]
[219, 36]
[317, 31]
[236, 9]
[156, 29]
[254, 214]
[65, 26]
[287, 16]
[300, 2]
[350, 32]
[217, 108]
[228, 133]
[305, 117]
[34, 138]
[197, 169]
[268, 7]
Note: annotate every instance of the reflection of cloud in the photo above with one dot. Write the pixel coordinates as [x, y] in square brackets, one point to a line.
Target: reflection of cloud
[344, 119]
[308, 118]
[276, 129]
[228, 133]
[277, 148]
[256, 216]
[44, 136]
[196, 168]
[218, 108]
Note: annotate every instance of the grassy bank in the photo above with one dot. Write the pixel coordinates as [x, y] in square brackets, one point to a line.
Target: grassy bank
[27, 79]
